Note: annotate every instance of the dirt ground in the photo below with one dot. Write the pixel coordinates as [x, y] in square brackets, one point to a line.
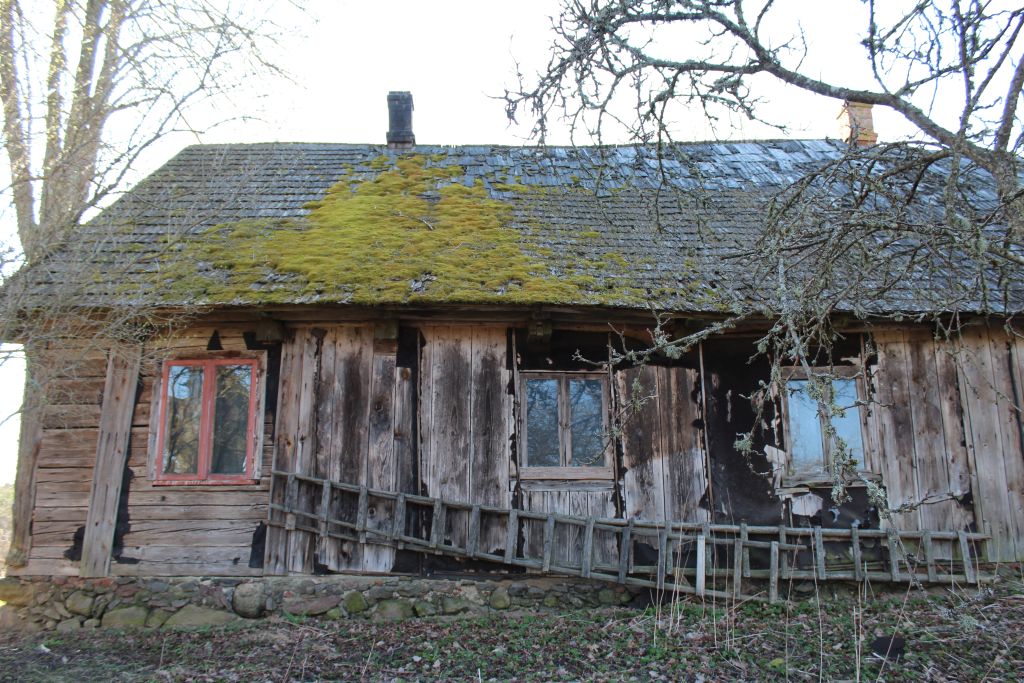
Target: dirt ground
[942, 636]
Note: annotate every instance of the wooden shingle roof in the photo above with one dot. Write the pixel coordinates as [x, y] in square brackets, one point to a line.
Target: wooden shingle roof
[279, 223]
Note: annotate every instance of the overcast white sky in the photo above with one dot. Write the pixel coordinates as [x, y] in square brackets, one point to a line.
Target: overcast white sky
[455, 57]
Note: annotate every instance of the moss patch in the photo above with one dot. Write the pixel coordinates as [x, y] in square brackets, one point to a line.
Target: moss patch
[406, 230]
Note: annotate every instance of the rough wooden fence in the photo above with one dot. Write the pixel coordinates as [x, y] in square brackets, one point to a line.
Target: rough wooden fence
[702, 559]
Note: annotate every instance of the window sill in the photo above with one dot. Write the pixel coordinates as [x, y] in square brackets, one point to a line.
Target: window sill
[568, 473]
[246, 481]
[818, 479]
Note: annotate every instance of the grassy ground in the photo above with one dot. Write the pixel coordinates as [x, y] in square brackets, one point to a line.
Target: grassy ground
[952, 636]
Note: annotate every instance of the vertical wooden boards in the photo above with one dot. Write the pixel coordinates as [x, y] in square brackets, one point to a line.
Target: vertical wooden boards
[1005, 367]
[643, 453]
[111, 457]
[465, 422]
[381, 470]
[950, 425]
[662, 448]
[345, 403]
[958, 466]
[980, 391]
[301, 543]
[896, 426]
[491, 420]
[930, 457]
[289, 385]
[685, 479]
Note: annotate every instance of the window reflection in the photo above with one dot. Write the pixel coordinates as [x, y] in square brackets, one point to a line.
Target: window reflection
[542, 423]
[586, 408]
[231, 419]
[184, 410]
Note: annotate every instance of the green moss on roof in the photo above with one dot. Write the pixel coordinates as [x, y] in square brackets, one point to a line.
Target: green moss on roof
[399, 230]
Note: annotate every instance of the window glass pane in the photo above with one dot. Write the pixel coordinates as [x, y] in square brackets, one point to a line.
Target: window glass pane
[184, 410]
[542, 423]
[231, 419]
[804, 428]
[847, 419]
[587, 415]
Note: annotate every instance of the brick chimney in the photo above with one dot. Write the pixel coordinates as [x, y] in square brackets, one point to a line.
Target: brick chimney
[400, 120]
[855, 124]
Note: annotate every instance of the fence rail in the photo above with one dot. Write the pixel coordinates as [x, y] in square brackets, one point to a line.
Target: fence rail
[700, 558]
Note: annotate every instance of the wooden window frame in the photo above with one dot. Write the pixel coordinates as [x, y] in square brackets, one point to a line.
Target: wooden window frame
[254, 442]
[565, 471]
[822, 474]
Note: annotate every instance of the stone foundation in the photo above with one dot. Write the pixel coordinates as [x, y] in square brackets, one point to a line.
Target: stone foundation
[71, 603]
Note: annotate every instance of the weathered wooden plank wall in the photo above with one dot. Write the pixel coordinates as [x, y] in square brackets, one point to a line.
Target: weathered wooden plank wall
[339, 390]
[186, 530]
[949, 417]
[465, 422]
[989, 371]
[662, 451]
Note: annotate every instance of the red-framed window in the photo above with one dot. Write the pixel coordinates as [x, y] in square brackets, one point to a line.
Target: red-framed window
[208, 421]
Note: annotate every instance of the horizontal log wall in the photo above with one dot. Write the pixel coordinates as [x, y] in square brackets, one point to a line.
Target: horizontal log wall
[72, 378]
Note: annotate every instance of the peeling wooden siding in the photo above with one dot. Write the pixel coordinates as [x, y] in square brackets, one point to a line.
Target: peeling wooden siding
[662, 450]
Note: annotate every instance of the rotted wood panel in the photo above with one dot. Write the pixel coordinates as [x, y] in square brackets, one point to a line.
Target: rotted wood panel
[643, 448]
[339, 389]
[662, 449]
[1005, 365]
[685, 479]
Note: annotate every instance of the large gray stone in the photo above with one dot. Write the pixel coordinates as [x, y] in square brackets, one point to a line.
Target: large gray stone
[157, 618]
[500, 599]
[393, 610]
[80, 603]
[425, 609]
[450, 605]
[249, 600]
[193, 616]
[354, 602]
[69, 625]
[304, 606]
[126, 617]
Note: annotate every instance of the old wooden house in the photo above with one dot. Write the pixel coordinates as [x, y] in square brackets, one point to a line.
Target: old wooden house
[396, 359]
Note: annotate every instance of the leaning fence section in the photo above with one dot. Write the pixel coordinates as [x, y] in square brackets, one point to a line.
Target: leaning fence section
[704, 559]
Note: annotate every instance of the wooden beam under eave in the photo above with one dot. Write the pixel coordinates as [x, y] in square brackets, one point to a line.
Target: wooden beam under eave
[111, 457]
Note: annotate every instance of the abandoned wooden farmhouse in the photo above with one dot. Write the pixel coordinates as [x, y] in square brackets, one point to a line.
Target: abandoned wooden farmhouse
[396, 359]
